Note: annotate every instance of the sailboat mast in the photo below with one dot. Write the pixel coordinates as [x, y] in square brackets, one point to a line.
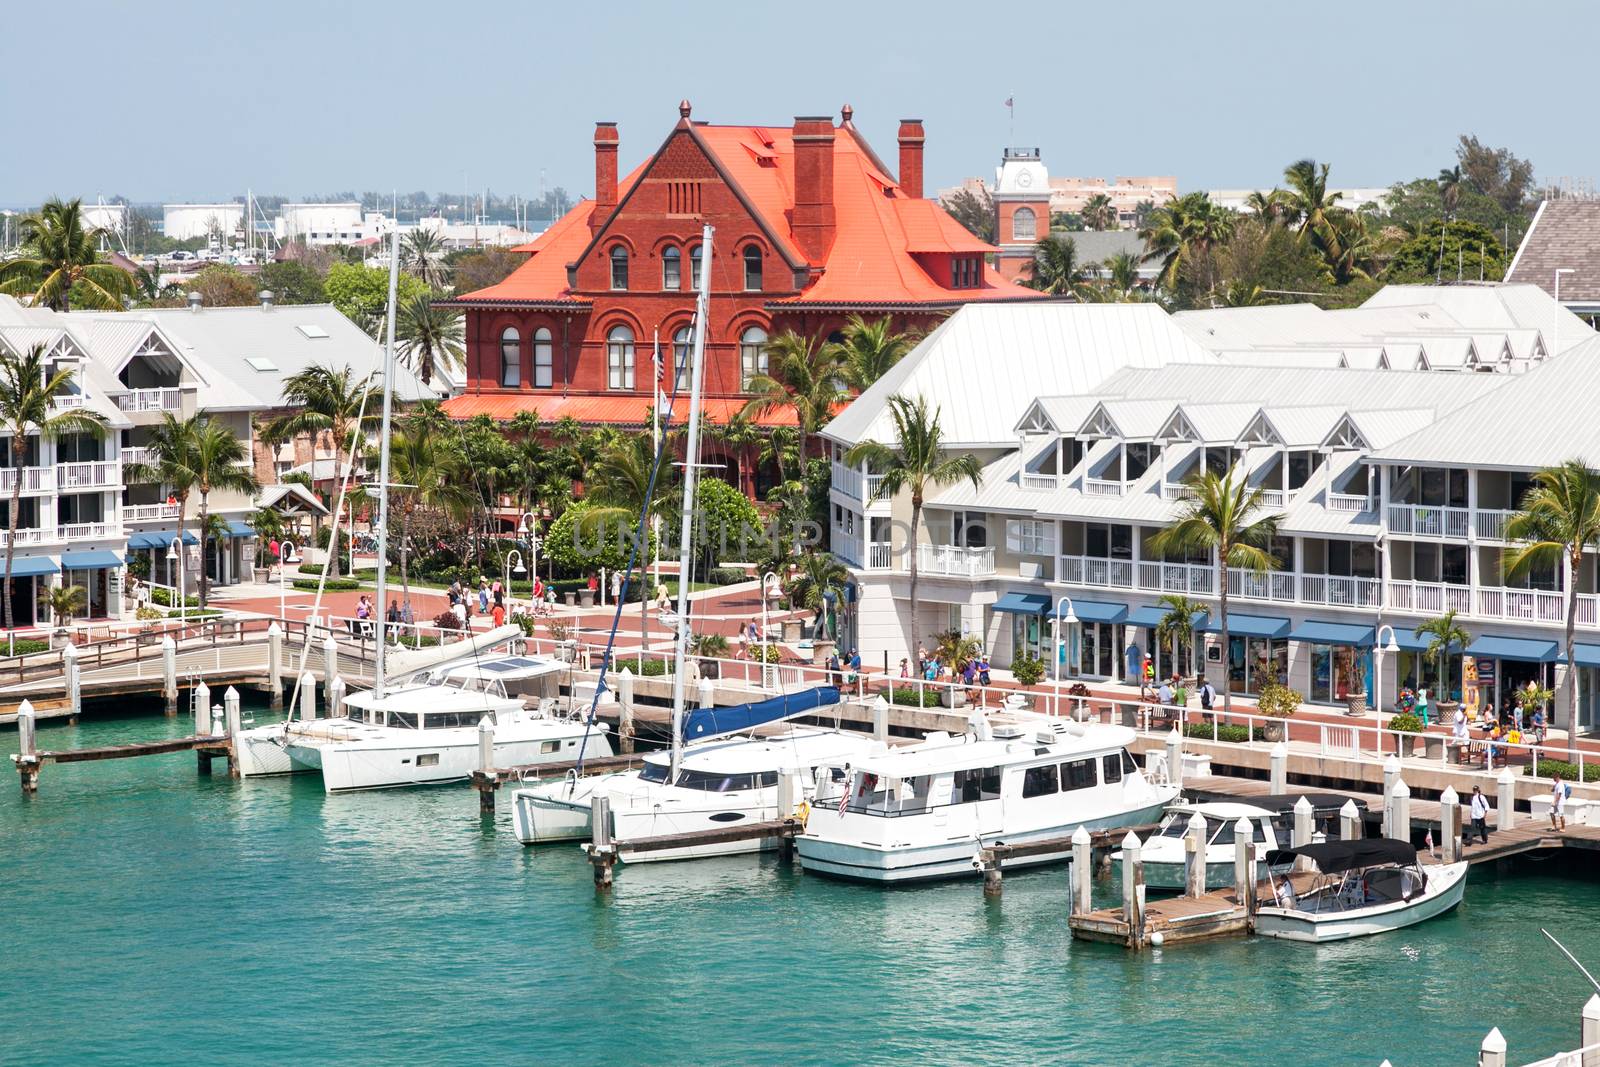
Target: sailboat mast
[378, 610]
[691, 467]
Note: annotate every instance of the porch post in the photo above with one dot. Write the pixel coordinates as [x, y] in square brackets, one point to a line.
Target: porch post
[1383, 533]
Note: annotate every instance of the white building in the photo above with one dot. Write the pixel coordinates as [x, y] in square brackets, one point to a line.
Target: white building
[82, 514]
[330, 224]
[183, 222]
[1393, 485]
[1352, 197]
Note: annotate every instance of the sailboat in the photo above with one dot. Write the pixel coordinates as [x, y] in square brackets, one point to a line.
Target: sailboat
[709, 777]
[426, 729]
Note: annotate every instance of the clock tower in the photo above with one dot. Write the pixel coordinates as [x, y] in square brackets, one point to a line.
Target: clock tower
[1022, 210]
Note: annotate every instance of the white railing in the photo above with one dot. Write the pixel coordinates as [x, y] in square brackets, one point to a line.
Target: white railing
[39, 536]
[1429, 522]
[1169, 491]
[1101, 487]
[1490, 524]
[1528, 605]
[846, 546]
[953, 559]
[1430, 598]
[1274, 498]
[874, 483]
[880, 555]
[1093, 570]
[1269, 585]
[149, 512]
[137, 456]
[1350, 502]
[1178, 577]
[92, 474]
[160, 399]
[34, 479]
[1038, 481]
[87, 531]
[846, 479]
[66, 401]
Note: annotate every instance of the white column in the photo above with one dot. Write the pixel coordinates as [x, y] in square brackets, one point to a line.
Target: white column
[1279, 768]
[1506, 801]
[1350, 828]
[1194, 848]
[1384, 533]
[1082, 862]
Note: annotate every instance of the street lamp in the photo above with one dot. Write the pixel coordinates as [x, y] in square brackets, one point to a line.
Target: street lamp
[528, 526]
[286, 556]
[1378, 651]
[175, 552]
[1063, 620]
[769, 581]
[1555, 337]
[519, 569]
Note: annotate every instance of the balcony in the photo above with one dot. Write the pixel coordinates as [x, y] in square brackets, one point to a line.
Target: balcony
[160, 399]
[96, 474]
[845, 478]
[1429, 521]
[1101, 487]
[1430, 598]
[1354, 503]
[955, 560]
[1340, 591]
[149, 512]
[1171, 491]
[879, 555]
[1097, 571]
[67, 401]
[1529, 605]
[88, 531]
[1038, 481]
[1490, 525]
[1186, 578]
[1274, 498]
[34, 479]
[132, 457]
[30, 536]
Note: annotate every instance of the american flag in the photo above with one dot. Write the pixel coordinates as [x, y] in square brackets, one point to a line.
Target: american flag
[1427, 841]
[1010, 101]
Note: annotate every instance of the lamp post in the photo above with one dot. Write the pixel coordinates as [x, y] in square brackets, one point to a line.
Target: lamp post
[1555, 337]
[509, 570]
[175, 552]
[1378, 651]
[768, 581]
[1063, 620]
[528, 526]
[286, 556]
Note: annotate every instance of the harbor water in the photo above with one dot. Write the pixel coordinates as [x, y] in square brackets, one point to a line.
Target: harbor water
[155, 916]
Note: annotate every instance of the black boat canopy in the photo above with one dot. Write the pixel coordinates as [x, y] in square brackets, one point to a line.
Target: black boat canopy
[1333, 857]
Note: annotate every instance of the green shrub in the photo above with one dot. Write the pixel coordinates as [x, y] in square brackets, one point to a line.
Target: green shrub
[727, 576]
[163, 597]
[1406, 723]
[651, 668]
[766, 653]
[193, 613]
[1029, 670]
[1230, 733]
[146, 613]
[316, 569]
[332, 585]
[22, 646]
[908, 697]
[1278, 701]
[1549, 768]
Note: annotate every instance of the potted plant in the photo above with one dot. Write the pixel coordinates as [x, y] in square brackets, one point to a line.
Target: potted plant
[1027, 669]
[1445, 636]
[954, 650]
[1277, 702]
[1405, 727]
[1080, 701]
[709, 648]
[561, 634]
[1531, 698]
[63, 602]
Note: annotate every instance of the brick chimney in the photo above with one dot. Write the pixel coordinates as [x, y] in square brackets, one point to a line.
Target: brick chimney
[605, 174]
[813, 186]
[911, 138]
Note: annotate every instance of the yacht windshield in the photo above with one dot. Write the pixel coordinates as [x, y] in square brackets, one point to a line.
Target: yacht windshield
[654, 772]
[714, 782]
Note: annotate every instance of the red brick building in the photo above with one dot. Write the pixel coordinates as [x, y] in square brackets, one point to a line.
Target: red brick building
[810, 227]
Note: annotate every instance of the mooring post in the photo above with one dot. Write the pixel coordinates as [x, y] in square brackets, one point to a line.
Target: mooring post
[791, 794]
[1244, 857]
[69, 660]
[1492, 1053]
[1350, 828]
[1194, 857]
[275, 664]
[1397, 811]
[1391, 771]
[1175, 757]
[880, 718]
[1082, 871]
[28, 748]
[486, 783]
[625, 710]
[308, 696]
[336, 697]
[330, 671]
[169, 673]
[1132, 886]
[233, 715]
[602, 853]
[1279, 773]
[993, 879]
[1450, 824]
[708, 693]
[1505, 815]
[1590, 1036]
[201, 698]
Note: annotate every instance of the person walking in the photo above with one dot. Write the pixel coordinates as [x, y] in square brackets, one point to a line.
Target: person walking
[1422, 706]
[1558, 803]
[394, 611]
[499, 614]
[483, 594]
[1538, 726]
[1480, 815]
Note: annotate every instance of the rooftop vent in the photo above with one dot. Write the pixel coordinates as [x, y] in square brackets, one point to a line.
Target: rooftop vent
[195, 301]
[266, 297]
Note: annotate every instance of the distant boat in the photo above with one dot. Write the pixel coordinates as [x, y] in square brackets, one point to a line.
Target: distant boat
[1165, 854]
[1367, 886]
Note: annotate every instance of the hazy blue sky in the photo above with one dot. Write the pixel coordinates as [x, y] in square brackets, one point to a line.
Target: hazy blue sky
[196, 100]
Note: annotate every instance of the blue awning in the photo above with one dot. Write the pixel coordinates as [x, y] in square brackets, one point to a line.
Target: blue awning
[159, 539]
[99, 559]
[1407, 639]
[31, 566]
[240, 529]
[1249, 626]
[1333, 633]
[1099, 611]
[1151, 615]
[1023, 603]
[1521, 649]
[1586, 655]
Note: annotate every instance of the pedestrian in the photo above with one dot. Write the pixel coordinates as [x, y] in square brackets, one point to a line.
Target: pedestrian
[969, 673]
[460, 611]
[752, 632]
[744, 644]
[616, 586]
[983, 669]
[1422, 705]
[855, 661]
[922, 659]
[499, 596]
[1558, 803]
[499, 614]
[1134, 657]
[1480, 812]
[1458, 735]
[1538, 726]
[455, 592]
[483, 594]
[594, 583]
[274, 549]
[905, 668]
[1208, 695]
[1164, 694]
[1516, 718]
[833, 667]
[394, 611]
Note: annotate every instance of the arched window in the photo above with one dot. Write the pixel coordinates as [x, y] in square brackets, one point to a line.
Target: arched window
[694, 268]
[682, 350]
[544, 370]
[619, 358]
[510, 357]
[752, 268]
[672, 268]
[1024, 224]
[619, 267]
[752, 354]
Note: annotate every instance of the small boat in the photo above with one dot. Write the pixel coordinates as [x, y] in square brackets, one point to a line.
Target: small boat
[1368, 886]
[1165, 855]
[924, 811]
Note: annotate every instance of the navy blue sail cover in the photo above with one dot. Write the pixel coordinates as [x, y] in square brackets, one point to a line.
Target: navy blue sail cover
[710, 722]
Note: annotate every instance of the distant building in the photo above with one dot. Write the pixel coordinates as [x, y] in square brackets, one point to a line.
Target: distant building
[330, 224]
[110, 217]
[1126, 194]
[1564, 237]
[475, 234]
[184, 222]
[1352, 198]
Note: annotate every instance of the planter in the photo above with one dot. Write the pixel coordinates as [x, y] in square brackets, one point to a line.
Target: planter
[1433, 746]
[1275, 730]
[793, 630]
[585, 598]
[1355, 704]
[262, 575]
[567, 651]
[953, 698]
[820, 651]
[571, 599]
[1405, 745]
[1447, 710]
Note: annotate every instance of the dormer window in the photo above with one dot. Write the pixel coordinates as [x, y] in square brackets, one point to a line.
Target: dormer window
[619, 267]
[966, 272]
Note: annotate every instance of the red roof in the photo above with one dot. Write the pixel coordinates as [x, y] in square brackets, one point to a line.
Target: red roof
[619, 410]
[873, 258]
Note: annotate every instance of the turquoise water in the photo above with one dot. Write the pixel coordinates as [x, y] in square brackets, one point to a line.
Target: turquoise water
[154, 916]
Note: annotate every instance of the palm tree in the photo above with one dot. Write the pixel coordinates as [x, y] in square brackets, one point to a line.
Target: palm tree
[58, 255]
[1098, 213]
[1449, 182]
[1177, 626]
[431, 470]
[870, 348]
[1559, 515]
[915, 463]
[1055, 268]
[1268, 207]
[220, 460]
[745, 438]
[422, 254]
[620, 480]
[429, 336]
[1223, 516]
[26, 387]
[781, 445]
[805, 378]
[819, 579]
[1123, 271]
[1183, 230]
[63, 602]
[330, 401]
[1445, 635]
[1307, 200]
[171, 446]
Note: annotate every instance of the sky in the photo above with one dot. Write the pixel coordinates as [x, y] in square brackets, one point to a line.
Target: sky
[200, 99]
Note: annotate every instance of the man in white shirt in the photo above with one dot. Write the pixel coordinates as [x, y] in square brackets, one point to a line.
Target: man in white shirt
[1480, 813]
[1164, 694]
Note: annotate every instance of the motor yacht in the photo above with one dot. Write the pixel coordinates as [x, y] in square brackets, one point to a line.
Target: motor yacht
[1361, 887]
[1165, 853]
[923, 811]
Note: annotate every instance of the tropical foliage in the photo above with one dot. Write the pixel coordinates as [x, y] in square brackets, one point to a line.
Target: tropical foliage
[59, 263]
[429, 336]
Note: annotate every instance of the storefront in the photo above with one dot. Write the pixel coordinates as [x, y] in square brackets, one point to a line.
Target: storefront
[29, 575]
[1504, 664]
[1587, 659]
[1089, 646]
[98, 573]
[1257, 653]
[1142, 626]
[1340, 656]
[1029, 634]
[154, 544]
[1097, 651]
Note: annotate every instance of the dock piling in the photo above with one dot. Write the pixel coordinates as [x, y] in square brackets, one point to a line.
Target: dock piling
[1350, 828]
[330, 671]
[1133, 887]
[169, 673]
[1175, 757]
[275, 664]
[336, 697]
[1506, 800]
[602, 853]
[1450, 824]
[1391, 771]
[233, 715]
[1194, 857]
[1081, 871]
[201, 699]
[1279, 772]
[880, 718]
[1397, 811]
[708, 693]
[1492, 1053]
[69, 659]
[993, 879]
[1244, 861]
[625, 710]
[308, 696]
[28, 748]
[486, 766]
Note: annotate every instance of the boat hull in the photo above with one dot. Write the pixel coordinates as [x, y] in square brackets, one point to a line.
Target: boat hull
[561, 812]
[351, 767]
[261, 753]
[1291, 925]
[554, 812]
